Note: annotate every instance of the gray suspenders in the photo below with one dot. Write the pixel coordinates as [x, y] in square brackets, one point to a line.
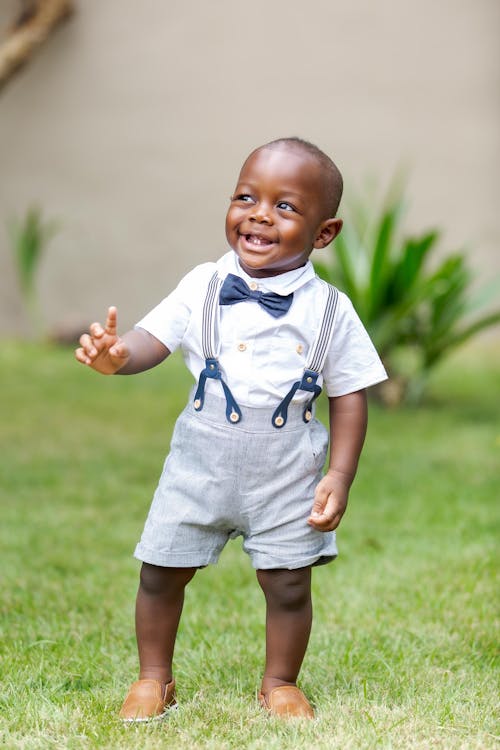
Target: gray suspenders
[312, 370]
[209, 347]
[315, 362]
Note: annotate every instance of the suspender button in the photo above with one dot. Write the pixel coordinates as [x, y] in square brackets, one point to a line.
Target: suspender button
[307, 415]
[234, 417]
[197, 403]
[279, 421]
[309, 379]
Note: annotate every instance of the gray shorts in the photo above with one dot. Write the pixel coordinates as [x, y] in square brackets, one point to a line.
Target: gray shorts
[223, 480]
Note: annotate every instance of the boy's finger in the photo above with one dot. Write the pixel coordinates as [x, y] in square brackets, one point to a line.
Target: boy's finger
[88, 345]
[111, 321]
[81, 356]
[119, 350]
[317, 519]
[323, 522]
[319, 504]
[96, 330]
[319, 526]
[323, 513]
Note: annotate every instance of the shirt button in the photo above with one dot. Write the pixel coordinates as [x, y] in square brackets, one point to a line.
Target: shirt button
[300, 348]
[253, 286]
[242, 347]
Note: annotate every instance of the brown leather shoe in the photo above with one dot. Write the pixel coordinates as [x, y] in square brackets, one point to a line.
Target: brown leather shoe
[287, 701]
[147, 700]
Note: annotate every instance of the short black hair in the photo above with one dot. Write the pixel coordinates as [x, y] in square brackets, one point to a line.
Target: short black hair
[334, 183]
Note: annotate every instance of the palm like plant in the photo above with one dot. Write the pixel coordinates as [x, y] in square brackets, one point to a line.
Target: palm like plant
[29, 236]
[404, 305]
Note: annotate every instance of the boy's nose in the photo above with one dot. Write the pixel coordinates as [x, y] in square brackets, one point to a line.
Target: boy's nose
[261, 215]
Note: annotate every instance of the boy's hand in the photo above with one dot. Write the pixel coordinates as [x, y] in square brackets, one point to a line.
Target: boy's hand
[101, 348]
[330, 502]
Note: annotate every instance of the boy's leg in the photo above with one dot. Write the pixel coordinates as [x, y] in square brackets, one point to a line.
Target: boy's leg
[158, 610]
[288, 624]
[157, 614]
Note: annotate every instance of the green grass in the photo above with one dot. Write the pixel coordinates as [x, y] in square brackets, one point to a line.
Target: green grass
[404, 646]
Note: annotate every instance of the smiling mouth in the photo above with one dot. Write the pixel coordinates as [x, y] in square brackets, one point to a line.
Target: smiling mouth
[257, 240]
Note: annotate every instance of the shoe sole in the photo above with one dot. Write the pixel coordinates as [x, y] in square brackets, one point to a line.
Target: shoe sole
[148, 719]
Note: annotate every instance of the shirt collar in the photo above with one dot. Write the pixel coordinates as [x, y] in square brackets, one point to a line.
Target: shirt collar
[283, 284]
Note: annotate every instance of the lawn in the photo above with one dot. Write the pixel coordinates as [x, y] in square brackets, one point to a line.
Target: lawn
[405, 640]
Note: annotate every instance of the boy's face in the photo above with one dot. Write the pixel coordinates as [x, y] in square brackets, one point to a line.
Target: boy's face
[277, 212]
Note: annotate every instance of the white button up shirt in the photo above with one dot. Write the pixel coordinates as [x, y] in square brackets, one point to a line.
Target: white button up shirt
[261, 356]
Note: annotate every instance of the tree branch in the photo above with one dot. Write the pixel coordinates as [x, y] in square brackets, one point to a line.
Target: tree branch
[36, 21]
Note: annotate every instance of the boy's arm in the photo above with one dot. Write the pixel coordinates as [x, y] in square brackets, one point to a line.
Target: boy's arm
[348, 421]
[103, 350]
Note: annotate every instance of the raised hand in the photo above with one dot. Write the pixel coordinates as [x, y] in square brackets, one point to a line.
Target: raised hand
[102, 349]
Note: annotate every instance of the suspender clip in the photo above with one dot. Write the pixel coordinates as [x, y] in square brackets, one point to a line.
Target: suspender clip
[212, 370]
[309, 380]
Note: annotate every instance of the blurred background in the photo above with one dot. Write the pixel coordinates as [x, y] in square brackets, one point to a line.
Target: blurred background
[121, 138]
[129, 125]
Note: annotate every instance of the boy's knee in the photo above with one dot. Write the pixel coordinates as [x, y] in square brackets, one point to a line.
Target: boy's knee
[287, 589]
[156, 580]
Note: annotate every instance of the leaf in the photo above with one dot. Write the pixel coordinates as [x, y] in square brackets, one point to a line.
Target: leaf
[29, 237]
[381, 266]
[408, 267]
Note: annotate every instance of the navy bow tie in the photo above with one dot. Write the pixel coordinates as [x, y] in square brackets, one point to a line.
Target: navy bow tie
[235, 289]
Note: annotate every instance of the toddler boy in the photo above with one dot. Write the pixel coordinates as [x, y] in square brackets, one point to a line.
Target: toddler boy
[261, 333]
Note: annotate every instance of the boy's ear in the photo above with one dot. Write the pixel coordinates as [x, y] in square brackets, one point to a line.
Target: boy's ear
[327, 232]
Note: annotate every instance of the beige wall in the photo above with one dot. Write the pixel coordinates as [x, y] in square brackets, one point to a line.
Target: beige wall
[131, 124]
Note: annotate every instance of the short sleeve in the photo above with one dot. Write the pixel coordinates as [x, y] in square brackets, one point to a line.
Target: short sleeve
[169, 320]
[352, 362]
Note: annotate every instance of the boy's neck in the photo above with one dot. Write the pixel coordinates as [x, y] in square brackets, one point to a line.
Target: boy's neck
[262, 274]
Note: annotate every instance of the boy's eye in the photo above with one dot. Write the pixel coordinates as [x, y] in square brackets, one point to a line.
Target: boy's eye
[285, 206]
[244, 198]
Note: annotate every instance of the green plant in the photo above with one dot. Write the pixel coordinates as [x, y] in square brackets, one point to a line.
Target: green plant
[415, 314]
[29, 237]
